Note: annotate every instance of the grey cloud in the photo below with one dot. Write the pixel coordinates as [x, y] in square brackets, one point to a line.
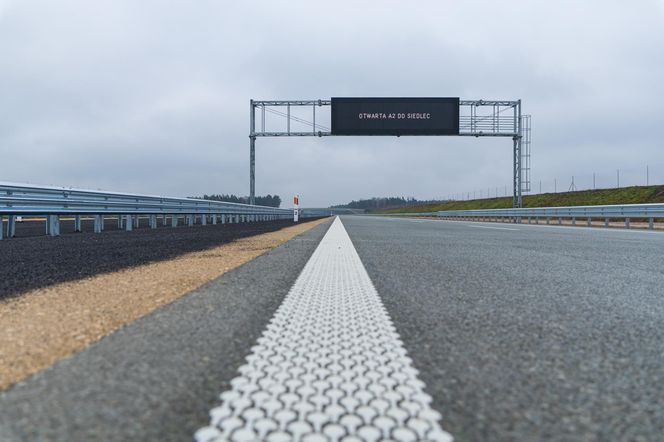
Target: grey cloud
[152, 96]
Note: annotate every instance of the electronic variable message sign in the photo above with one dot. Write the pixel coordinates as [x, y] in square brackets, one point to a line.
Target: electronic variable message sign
[395, 116]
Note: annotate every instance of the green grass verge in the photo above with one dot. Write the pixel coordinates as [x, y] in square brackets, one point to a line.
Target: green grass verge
[624, 195]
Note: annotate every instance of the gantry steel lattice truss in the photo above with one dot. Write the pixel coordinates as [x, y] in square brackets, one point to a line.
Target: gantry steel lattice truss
[477, 118]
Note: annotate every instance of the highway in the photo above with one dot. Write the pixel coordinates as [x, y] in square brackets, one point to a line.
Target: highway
[518, 332]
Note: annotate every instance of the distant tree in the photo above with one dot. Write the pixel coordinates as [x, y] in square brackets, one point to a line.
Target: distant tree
[269, 200]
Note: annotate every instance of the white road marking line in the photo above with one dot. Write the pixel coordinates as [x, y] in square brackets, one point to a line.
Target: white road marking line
[578, 228]
[490, 227]
[329, 367]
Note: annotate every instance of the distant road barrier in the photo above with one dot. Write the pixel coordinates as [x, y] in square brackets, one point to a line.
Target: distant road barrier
[54, 202]
[625, 212]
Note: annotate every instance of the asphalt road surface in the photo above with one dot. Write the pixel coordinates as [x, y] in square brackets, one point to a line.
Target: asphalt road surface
[527, 332]
[519, 333]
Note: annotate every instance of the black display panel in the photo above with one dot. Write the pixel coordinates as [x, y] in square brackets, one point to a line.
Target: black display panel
[395, 116]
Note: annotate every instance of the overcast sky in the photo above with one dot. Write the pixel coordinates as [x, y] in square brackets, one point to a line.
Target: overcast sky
[153, 96]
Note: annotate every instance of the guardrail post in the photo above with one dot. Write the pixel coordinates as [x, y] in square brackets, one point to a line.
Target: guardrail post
[136, 221]
[651, 223]
[119, 221]
[163, 220]
[2, 226]
[77, 223]
[153, 221]
[606, 222]
[98, 224]
[214, 219]
[11, 226]
[627, 223]
[190, 220]
[174, 220]
[573, 221]
[223, 218]
[53, 225]
[204, 220]
[129, 225]
[548, 220]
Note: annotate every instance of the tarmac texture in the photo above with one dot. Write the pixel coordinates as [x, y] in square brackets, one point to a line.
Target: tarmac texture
[531, 333]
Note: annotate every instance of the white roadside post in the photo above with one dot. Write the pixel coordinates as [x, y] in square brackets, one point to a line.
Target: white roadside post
[296, 212]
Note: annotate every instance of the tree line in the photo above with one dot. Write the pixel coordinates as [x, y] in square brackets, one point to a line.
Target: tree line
[267, 200]
[377, 203]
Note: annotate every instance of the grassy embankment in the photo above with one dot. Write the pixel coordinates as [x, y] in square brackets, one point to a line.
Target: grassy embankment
[624, 195]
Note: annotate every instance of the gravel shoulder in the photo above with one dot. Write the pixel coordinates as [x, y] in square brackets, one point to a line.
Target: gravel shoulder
[46, 324]
[31, 262]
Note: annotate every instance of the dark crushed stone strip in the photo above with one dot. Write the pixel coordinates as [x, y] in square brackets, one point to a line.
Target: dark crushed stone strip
[30, 262]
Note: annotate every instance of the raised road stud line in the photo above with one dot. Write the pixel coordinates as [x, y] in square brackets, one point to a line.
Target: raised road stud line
[329, 367]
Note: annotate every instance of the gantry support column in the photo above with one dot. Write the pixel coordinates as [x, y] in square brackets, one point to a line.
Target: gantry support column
[252, 154]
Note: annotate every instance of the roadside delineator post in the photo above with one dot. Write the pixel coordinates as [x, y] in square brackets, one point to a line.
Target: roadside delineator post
[296, 210]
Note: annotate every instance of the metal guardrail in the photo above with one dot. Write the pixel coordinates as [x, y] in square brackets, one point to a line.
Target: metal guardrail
[404, 214]
[53, 202]
[330, 211]
[624, 212]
